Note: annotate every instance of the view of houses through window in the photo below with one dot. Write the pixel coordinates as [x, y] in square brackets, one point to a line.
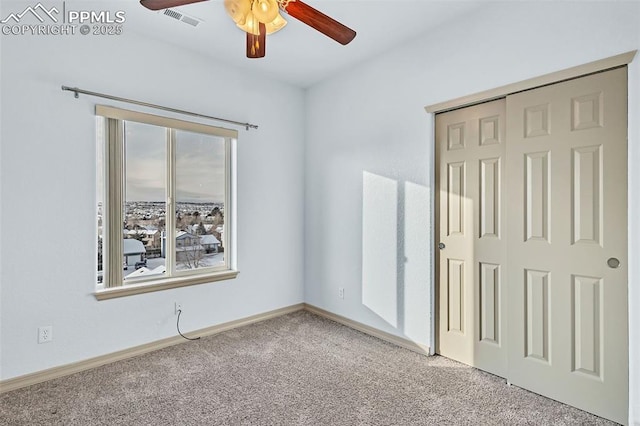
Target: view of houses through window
[159, 162]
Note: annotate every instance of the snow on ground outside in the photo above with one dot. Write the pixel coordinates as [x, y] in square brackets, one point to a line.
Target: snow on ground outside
[215, 259]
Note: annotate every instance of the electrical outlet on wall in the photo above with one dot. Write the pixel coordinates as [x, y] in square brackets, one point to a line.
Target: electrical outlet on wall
[45, 334]
[341, 292]
[177, 307]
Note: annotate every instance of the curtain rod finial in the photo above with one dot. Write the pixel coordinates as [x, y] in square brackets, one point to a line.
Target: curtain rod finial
[75, 90]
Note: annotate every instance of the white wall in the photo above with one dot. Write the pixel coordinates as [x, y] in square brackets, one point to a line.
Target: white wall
[47, 190]
[370, 143]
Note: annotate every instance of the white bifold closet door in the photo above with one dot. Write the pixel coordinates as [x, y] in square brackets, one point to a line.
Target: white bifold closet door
[533, 271]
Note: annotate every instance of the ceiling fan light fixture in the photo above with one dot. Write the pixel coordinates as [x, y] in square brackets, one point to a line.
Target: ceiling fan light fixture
[252, 23]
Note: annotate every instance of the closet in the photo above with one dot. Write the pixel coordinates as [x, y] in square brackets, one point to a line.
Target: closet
[531, 218]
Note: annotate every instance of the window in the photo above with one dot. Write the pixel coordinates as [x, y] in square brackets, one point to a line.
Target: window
[165, 203]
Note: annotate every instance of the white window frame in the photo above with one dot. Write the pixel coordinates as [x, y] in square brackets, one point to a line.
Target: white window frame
[111, 122]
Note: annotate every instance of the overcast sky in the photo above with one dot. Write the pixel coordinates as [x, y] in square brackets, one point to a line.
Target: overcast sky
[199, 165]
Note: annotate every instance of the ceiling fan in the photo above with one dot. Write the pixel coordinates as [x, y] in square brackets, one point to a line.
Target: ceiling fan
[261, 17]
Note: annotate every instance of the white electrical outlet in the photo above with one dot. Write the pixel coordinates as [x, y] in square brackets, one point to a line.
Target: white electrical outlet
[45, 334]
[341, 292]
[178, 307]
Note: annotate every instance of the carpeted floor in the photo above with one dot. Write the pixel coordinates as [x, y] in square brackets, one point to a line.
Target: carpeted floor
[298, 369]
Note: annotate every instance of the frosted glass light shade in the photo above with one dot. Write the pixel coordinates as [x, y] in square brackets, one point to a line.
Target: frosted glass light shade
[238, 10]
[276, 25]
[251, 24]
[265, 11]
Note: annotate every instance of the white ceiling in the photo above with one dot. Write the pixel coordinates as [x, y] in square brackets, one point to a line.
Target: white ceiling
[298, 54]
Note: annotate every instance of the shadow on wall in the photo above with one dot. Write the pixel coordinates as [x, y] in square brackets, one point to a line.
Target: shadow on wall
[395, 253]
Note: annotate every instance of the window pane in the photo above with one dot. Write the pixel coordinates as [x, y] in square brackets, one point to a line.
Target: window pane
[144, 201]
[200, 195]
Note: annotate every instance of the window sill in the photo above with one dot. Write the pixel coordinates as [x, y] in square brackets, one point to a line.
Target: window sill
[164, 284]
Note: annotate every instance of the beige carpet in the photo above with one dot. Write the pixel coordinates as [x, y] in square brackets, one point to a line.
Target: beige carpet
[298, 369]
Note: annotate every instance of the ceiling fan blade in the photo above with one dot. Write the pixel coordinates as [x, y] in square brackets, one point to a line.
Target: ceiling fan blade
[321, 22]
[257, 45]
[165, 4]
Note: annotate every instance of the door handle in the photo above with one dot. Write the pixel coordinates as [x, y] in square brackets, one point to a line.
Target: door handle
[441, 246]
[613, 263]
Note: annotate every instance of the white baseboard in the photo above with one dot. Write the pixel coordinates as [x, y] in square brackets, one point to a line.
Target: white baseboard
[388, 337]
[76, 367]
